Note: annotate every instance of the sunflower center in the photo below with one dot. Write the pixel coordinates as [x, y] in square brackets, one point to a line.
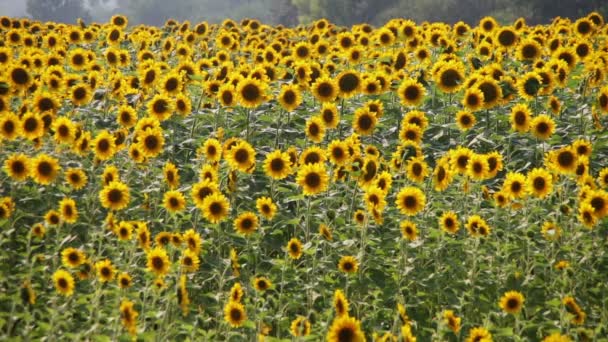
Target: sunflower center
[227, 97]
[325, 90]
[294, 247]
[603, 100]
[411, 135]
[235, 314]
[365, 122]
[506, 38]
[515, 187]
[542, 128]
[188, 261]
[529, 51]
[441, 174]
[173, 202]
[410, 202]
[313, 129]
[417, 169]
[30, 125]
[598, 204]
[348, 83]
[489, 92]
[241, 156]
[151, 142]
[313, 180]
[45, 168]
[289, 97]
[62, 283]
[449, 222]
[80, 93]
[160, 106]
[450, 78]
[465, 120]
[565, 159]
[103, 145]
[539, 183]
[411, 93]
[472, 100]
[512, 303]
[346, 334]
[171, 84]
[462, 161]
[105, 271]
[158, 263]
[115, 196]
[277, 165]
[312, 158]
[204, 192]
[477, 168]
[251, 92]
[20, 76]
[216, 208]
[337, 153]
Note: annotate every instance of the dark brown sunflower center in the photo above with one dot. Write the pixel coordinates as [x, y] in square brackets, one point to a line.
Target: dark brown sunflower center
[241, 156]
[277, 165]
[158, 263]
[348, 82]
[115, 196]
[216, 208]
[30, 124]
[251, 92]
[365, 122]
[151, 142]
[410, 202]
[313, 180]
[450, 78]
[20, 76]
[411, 93]
[171, 84]
[45, 168]
[565, 159]
[539, 183]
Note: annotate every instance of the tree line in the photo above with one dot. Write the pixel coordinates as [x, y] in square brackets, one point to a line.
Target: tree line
[294, 12]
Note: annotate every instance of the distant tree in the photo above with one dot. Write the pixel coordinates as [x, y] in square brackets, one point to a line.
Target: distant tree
[284, 12]
[65, 11]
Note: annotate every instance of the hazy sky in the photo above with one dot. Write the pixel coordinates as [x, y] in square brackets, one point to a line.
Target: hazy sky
[12, 8]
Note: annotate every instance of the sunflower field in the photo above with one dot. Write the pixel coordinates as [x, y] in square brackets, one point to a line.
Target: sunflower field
[242, 182]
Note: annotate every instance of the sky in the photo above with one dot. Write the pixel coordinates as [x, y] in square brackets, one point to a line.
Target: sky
[12, 8]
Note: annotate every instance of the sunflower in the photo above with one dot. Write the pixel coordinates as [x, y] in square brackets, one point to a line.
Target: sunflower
[478, 167]
[449, 76]
[67, 208]
[300, 327]
[602, 99]
[64, 129]
[477, 226]
[564, 160]
[10, 125]
[520, 118]
[212, 150]
[539, 182]
[417, 169]
[158, 261]
[215, 207]
[105, 270]
[266, 207]
[104, 145]
[262, 284]
[460, 159]
[349, 83]
[529, 49]
[312, 178]
[598, 200]
[52, 218]
[251, 92]
[448, 222]
[345, 328]
[126, 116]
[171, 175]
[294, 248]
[124, 280]
[442, 175]
[160, 107]
[115, 196]
[411, 92]
[64, 282]
[201, 190]
[338, 152]
[315, 129]
[465, 120]
[151, 142]
[512, 302]
[19, 77]
[514, 185]
[529, 85]
[492, 93]
[410, 133]
[192, 240]
[190, 261]
[246, 223]
[325, 89]
[409, 230]
[410, 200]
[451, 320]
[128, 316]
[241, 156]
[290, 97]
[473, 99]
[17, 166]
[330, 115]
[277, 165]
[364, 121]
[174, 201]
[80, 94]
[313, 155]
[602, 177]
[234, 314]
[550, 231]
[124, 231]
[340, 303]
[542, 126]
[32, 126]
[479, 334]
[325, 231]
[72, 257]
[44, 169]
[374, 198]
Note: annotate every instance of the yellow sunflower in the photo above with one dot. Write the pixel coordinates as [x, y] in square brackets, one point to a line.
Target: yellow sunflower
[64, 282]
[44, 169]
[312, 178]
[410, 200]
[246, 223]
[115, 196]
[215, 207]
[17, 166]
[158, 261]
[345, 328]
[277, 165]
[234, 314]
[512, 302]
